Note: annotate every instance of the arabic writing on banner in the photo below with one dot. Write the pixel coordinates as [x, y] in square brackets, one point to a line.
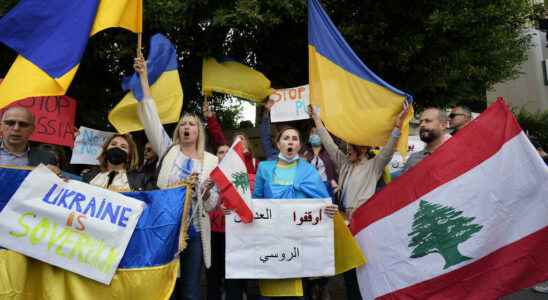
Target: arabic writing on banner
[290, 104]
[288, 238]
[72, 225]
[54, 118]
[87, 146]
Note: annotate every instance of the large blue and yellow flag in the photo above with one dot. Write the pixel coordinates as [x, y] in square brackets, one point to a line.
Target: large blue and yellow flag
[355, 104]
[147, 270]
[50, 38]
[165, 87]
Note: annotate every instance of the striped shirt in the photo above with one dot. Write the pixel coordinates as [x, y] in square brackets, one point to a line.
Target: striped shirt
[12, 159]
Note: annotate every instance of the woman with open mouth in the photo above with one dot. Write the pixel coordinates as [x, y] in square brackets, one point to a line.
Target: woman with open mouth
[183, 158]
[289, 176]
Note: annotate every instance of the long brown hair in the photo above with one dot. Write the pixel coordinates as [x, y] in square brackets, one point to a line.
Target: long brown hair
[133, 155]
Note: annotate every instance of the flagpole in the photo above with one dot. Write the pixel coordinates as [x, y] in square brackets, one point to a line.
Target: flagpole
[139, 43]
[140, 27]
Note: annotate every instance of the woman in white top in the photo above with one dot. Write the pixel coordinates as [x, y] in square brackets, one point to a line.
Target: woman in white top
[182, 157]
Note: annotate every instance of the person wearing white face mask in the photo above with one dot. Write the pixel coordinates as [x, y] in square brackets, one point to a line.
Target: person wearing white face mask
[317, 156]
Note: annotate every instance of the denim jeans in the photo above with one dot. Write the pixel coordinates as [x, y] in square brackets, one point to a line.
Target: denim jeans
[188, 286]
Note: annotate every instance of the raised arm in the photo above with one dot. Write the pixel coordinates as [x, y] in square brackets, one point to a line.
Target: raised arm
[380, 161]
[213, 126]
[266, 140]
[336, 155]
[148, 114]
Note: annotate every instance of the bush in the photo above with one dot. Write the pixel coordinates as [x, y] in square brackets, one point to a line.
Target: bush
[535, 125]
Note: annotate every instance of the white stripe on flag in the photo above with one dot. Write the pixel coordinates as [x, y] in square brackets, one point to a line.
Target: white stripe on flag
[507, 195]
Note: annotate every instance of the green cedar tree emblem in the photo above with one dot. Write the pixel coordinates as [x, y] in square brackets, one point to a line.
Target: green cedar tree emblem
[240, 181]
[440, 229]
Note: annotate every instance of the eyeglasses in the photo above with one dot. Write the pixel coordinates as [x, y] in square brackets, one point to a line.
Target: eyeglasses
[453, 115]
[12, 123]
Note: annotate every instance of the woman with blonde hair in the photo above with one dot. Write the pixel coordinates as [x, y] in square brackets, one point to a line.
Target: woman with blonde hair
[118, 164]
[183, 158]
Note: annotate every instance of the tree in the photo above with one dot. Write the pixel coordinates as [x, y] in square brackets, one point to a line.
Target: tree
[442, 52]
[440, 229]
[241, 181]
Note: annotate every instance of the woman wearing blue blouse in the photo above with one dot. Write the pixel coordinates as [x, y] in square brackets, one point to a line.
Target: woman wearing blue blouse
[289, 177]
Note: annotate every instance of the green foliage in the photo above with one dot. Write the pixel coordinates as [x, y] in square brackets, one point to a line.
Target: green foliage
[443, 52]
[535, 124]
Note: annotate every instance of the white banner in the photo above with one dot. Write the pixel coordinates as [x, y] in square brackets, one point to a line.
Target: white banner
[72, 225]
[87, 146]
[290, 104]
[289, 238]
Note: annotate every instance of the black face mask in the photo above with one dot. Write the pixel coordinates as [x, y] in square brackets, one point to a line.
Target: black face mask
[116, 156]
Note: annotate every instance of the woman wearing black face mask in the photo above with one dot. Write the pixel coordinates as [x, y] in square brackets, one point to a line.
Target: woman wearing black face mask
[117, 166]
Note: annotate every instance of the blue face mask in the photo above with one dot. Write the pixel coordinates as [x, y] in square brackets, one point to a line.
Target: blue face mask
[287, 159]
[315, 140]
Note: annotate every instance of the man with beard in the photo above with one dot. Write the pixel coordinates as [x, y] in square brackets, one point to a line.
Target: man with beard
[433, 123]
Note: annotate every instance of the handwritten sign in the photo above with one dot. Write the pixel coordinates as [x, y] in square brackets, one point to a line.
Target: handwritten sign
[88, 146]
[72, 225]
[54, 118]
[290, 104]
[414, 145]
[288, 238]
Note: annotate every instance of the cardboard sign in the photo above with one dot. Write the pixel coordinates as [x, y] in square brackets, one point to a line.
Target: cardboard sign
[54, 118]
[72, 225]
[88, 146]
[290, 104]
[288, 238]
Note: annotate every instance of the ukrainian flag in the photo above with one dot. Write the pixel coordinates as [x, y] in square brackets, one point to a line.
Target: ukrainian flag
[355, 104]
[165, 87]
[147, 270]
[50, 38]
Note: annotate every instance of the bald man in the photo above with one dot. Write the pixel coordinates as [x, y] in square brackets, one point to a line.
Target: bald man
[16, 128]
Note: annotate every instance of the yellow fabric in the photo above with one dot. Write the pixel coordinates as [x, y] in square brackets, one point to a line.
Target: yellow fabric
[23, 278]
[168, 96]
[234, 79]
[354, 109]
[348, 255]
[24, 79]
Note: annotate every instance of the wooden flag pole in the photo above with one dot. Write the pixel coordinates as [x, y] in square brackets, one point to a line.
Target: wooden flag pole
[139, 44]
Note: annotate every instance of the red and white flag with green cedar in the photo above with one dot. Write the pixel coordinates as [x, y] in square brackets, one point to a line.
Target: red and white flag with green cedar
[468, 222]
[233, 182]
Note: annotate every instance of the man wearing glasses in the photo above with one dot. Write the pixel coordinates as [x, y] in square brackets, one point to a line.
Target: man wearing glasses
[16, 128]
[459, 117]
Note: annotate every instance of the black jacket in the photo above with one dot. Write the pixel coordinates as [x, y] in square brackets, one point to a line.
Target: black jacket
[137, 181]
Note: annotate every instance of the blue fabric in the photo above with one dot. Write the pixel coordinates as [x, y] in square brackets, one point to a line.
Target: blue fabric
[161, 58]
[191, 270]
[155, 240]
[328, 41]
[285, 175]
[51, 34]
[307, 183]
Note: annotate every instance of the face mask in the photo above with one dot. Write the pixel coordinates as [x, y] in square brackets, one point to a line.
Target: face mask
[286, 159]
[116, 156]
[315, 140]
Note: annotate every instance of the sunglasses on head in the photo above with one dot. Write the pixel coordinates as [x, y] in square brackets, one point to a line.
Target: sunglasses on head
[453, 115]
[11, 123]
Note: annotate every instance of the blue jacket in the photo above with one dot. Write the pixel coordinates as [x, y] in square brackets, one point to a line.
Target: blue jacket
[307, 183]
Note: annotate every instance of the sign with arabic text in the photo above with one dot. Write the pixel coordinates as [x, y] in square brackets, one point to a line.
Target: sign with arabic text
[288, 238]
[71, 225]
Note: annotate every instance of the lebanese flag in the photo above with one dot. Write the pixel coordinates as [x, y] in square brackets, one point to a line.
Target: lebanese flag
[468, 222]
[233, 182]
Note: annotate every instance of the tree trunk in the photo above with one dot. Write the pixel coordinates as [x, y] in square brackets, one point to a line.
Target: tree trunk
[452, 256]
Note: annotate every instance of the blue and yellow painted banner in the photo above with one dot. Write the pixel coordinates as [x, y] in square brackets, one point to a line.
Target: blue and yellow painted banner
[355, 104]
[50, 38]
[147, 270]
[165, 87]
[233, 78]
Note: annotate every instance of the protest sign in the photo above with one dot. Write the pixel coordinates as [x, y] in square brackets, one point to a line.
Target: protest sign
[288, 238]
[54, 118]
[88, 146]
[72, 225]
[414, 145]
[290, 104]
